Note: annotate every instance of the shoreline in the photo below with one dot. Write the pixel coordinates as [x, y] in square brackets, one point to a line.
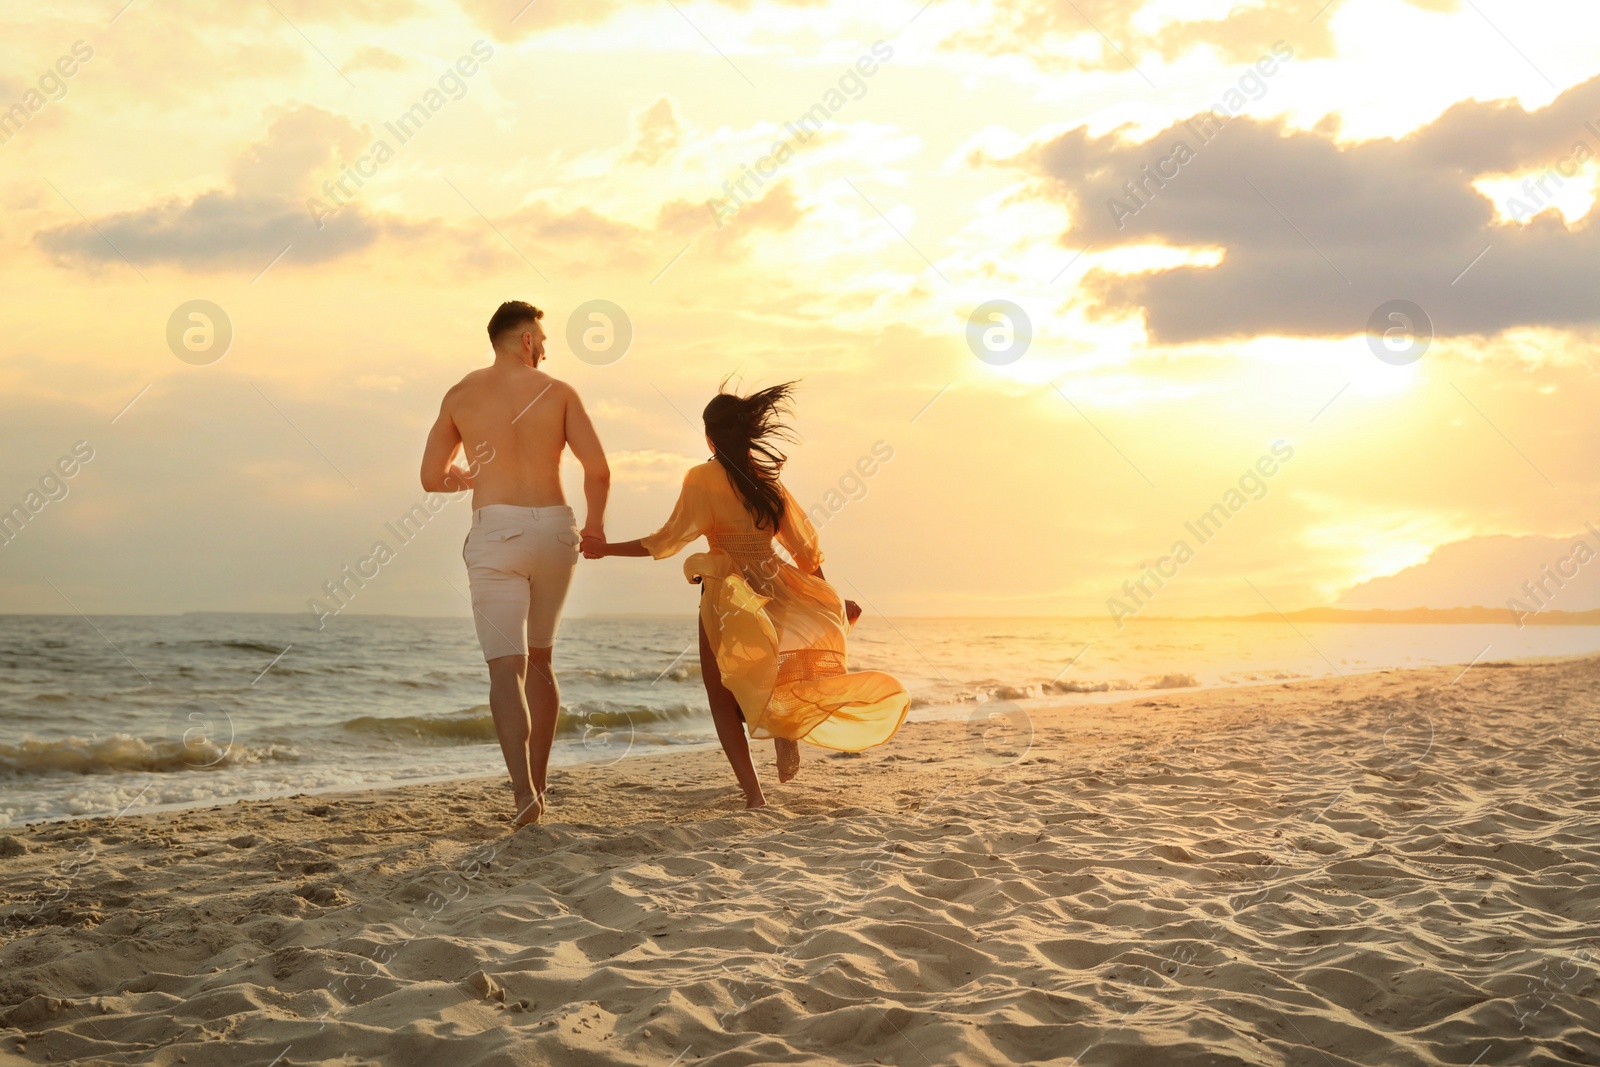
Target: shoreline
[1042, 704]
[1345, 870]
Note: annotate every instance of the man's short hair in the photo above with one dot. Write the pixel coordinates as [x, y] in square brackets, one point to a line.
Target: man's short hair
[510, 316]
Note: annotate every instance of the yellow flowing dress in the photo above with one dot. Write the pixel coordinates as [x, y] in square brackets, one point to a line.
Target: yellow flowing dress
[777, 630]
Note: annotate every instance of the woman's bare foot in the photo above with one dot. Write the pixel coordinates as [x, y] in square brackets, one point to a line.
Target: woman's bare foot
[529, 809]
[755, 800]
[788, 758]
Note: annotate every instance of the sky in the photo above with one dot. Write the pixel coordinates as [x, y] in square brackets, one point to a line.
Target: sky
[1113, 286]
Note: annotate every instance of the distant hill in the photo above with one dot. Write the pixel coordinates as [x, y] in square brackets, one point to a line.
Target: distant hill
[1415, 616]
[1490, 570]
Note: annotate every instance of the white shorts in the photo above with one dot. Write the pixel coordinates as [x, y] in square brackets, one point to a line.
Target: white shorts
[519, 564]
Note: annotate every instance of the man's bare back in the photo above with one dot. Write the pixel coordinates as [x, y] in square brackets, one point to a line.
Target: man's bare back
[520, 415]
[513, 420]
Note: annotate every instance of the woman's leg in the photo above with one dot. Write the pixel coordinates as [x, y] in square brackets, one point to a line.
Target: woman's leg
[788, 758]
[730, 728]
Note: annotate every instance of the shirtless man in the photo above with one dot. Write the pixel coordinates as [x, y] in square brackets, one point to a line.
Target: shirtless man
[524, 539]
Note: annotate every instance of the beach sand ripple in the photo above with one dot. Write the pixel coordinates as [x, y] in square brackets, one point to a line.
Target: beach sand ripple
[1401, 868]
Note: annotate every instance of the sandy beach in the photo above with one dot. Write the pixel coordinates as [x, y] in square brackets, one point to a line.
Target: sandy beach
[1397, 868]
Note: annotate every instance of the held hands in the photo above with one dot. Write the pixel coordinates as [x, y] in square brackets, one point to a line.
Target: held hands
[594, 545]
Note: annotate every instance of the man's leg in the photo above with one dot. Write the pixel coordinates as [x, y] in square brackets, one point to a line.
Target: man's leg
[544, 704]
[509, 706]
[548, 581]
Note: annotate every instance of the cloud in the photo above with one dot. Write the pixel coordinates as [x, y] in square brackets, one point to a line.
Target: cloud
[1117, 30]
[214, 230]
[298, 144]
[243, 227]
[369, 11]
[1316, 234]
[371, 57]
[657, 132]
[778, 211]
[649, 466]
[514, 19]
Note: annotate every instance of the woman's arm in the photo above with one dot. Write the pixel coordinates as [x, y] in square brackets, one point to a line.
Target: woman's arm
[594, 548]
[852, 610]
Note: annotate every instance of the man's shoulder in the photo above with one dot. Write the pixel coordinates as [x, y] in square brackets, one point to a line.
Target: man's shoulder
[469, 382]
[562, 388]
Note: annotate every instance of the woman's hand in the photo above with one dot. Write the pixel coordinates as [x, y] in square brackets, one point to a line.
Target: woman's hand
[597, 547]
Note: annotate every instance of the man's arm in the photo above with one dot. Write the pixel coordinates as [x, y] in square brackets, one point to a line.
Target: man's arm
[439, 475]
[585, 445]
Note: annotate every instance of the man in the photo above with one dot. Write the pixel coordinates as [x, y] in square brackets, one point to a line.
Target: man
[524, 539]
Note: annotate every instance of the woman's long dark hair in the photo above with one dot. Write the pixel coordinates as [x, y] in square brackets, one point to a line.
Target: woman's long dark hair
[741, 429]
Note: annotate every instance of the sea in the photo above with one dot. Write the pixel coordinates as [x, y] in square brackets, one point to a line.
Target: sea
[104, 715]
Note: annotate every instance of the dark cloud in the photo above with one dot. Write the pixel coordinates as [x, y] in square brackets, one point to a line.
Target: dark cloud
[1316, 234]
[216, 229]
[244, 227]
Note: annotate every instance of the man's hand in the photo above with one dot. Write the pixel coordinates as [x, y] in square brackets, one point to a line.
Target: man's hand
[593, 546]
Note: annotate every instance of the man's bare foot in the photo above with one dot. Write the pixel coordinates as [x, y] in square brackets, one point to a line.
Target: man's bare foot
[788, 758]
[756, 800]
[528, 811]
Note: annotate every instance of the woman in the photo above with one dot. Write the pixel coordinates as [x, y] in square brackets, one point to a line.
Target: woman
[772, 633]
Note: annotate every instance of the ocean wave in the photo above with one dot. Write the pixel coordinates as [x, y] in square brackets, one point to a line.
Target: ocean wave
[679, 672]
[464, 726]
[1170, 680]
[476, 725]
[1173, 680]
[235, 645]
[1267, 676]
[1073, 685]
[122, 753]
